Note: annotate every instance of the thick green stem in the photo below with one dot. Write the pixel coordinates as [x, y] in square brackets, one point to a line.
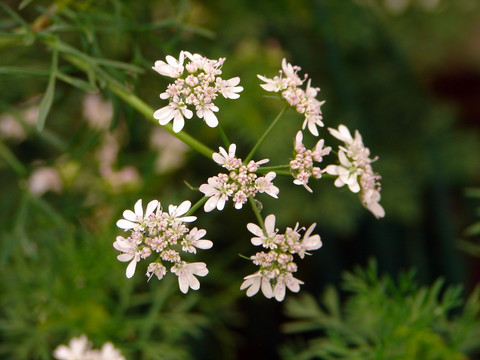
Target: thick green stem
[147, 111]
[265, 134]
[195, 207]
[143, 108]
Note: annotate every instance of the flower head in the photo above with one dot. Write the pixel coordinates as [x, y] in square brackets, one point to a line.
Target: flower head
[355, 170]
[241, 182]
[304, 101]
[302, 167]
[163, 235]
[197, 85]
[276, 262]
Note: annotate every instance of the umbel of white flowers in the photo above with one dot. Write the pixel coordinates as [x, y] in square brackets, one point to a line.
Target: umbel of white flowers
[162, 235]
[355, 170]
[197, 85]
[276, 263]
[239, 184]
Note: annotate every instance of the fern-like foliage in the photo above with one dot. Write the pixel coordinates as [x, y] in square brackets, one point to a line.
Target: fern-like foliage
[383, 319]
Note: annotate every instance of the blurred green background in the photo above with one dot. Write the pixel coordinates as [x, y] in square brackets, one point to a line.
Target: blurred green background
[405, 73]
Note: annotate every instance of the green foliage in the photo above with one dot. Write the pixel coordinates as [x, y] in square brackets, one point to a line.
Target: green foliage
[58, 273]
[471, 244]
[384, 319]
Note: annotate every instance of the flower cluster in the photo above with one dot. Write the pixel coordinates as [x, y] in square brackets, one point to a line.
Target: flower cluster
[81, 349]
[355, 170]
[163, 233]
[304, 101]
[198, 86]
[302, 166]
[239, 184]
[277, 265]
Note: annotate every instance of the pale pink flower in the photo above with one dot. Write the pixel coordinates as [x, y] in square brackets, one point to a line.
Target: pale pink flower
[173, 111]
[229, 88]
[218, 190]
[309, 242]
[172, 68]
[254, 282]
[264, 185]
[131, 252]
[77, 349]
[263, 236]
[134, 220]
[284, 281]
[44, 179]
[186, 272]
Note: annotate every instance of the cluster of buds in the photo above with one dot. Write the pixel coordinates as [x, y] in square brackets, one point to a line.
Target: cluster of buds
[276, 264]
[304, 101]
[198, 87]
[302, 166]
[241, 183]
[355, 170]
[164, 234]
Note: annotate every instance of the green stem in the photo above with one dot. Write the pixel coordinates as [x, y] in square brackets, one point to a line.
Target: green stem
[147, 111]
[141, 106]
[265, 169]
[223, 136]
[195, 207]
[265, 134]
[256, 211]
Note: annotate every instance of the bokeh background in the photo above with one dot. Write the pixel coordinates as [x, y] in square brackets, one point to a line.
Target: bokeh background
[405, 73]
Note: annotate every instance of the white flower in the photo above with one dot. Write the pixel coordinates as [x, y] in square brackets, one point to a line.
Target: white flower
[342, 134]
[186, 272]
[173, 111]
[346, 172]
[254, 282]
[131, 252]
[229, 88]
[264, 185]
[177, 211]
[156, 269]
[227, 160]
[371, 200]
[172, 68]
[205, 111]
[108, 352]
[309, 242]
[132, 219]
[77, 349]
[282, 283]
[218, 191]
[276, 84]
[262, 236]
[194, 240]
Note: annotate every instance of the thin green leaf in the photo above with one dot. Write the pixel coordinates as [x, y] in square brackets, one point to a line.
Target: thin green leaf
[473, 229]
[49, 93]
[16, 17]
[24, 4]
[78, 83]
[14, 70]
[119, 64]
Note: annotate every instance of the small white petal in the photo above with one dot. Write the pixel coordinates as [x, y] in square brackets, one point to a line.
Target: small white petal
[131, 268]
